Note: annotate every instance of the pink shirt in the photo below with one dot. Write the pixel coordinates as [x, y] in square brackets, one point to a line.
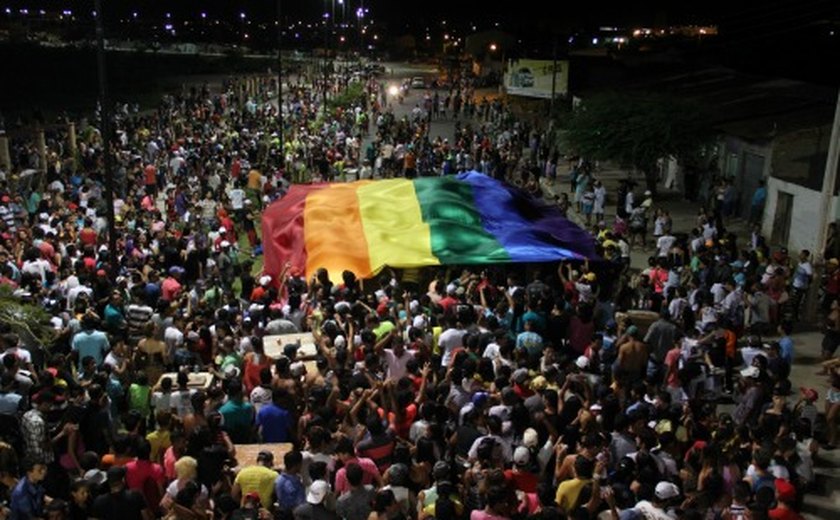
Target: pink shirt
[137, 471]
[169, 459]
[371, 474]
[484, 515]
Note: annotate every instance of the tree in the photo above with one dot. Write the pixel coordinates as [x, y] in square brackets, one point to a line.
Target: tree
[636, 129]
[30, 321]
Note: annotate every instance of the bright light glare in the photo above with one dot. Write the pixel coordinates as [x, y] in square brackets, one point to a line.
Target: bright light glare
[394, 90]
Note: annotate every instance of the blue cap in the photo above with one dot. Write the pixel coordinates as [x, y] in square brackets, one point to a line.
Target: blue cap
[480, 398]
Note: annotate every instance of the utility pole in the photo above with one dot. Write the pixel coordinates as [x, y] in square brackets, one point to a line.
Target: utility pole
[280, 77]
[326, 52]
[829, 179]
[553, 79]
[105, 115]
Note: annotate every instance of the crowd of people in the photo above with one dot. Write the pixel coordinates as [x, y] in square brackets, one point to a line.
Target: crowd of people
[578, 390]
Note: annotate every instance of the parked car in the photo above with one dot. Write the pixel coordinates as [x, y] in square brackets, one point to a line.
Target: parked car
[418, 82]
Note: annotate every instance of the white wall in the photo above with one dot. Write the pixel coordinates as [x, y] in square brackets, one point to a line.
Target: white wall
[805, 217]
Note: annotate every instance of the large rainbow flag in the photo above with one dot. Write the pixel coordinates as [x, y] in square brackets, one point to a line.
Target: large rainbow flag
[364, 226]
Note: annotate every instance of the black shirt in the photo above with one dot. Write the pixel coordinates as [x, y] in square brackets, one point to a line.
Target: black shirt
[122, 505]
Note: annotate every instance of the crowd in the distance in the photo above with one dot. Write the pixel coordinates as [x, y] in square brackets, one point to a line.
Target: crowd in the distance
[578, 390]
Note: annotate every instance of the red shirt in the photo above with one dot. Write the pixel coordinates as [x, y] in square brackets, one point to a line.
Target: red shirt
[781, 513]
[169, 289]
[150, 175]
[88, 236]
[832, 285]
[524, 481]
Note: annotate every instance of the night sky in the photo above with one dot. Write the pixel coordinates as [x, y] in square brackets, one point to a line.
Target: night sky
[522, 13]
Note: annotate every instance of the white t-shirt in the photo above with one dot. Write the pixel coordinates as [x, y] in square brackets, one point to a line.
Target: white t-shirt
[449, 340]
[664, 244]
[22, 354]
[237, 198]
[396, 365]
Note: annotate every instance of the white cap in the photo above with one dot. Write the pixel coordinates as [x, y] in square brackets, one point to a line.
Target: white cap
[751, 372]
[265, 280]
[224, 244]
[339, 341]
[667, 490]
[317, 491]
[521, 456]
[530, 438]
[419, 322]
[582, 362]
[222, 229]
[231, 371]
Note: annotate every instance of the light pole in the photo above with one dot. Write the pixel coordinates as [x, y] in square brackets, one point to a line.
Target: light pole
[280, 78]
[493, 48]
[326, 52]
[105, 123]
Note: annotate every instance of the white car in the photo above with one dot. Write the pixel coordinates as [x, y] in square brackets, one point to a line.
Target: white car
[418, 82]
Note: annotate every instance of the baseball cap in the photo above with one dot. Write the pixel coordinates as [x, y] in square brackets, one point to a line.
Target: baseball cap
[116, 474]
[176, 269]
[224, 243]
[520, 375]
[317, 491]
[265, 280]
[530, 438]
[521, 456]
[667, 490]
[95, 477]
[480, 398]
[222, 229]
[785, 492]
[582, 362]
[750, 372]
[809, 393]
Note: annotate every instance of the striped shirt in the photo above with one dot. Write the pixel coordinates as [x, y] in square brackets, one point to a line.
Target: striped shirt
[138, 316]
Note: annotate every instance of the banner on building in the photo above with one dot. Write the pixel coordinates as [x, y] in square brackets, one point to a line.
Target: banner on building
[533, 78]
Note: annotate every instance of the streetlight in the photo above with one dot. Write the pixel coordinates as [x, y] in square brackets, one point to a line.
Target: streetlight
[493, 47]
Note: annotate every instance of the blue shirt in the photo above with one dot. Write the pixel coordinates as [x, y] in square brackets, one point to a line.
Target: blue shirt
[531, 342]
[289, 491]
[93, 343]
[759, 196]
[275, 422]
[786, 345]
[27, 500]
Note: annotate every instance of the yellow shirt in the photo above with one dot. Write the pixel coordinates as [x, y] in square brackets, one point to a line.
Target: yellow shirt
[568, 492]
[254, 180]
[257, 478]
[160, 442]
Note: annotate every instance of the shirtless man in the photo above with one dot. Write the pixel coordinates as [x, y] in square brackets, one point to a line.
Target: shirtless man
[632, 358]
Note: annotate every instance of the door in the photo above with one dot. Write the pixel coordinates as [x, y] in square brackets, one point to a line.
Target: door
[747, 182]
[781, 221]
